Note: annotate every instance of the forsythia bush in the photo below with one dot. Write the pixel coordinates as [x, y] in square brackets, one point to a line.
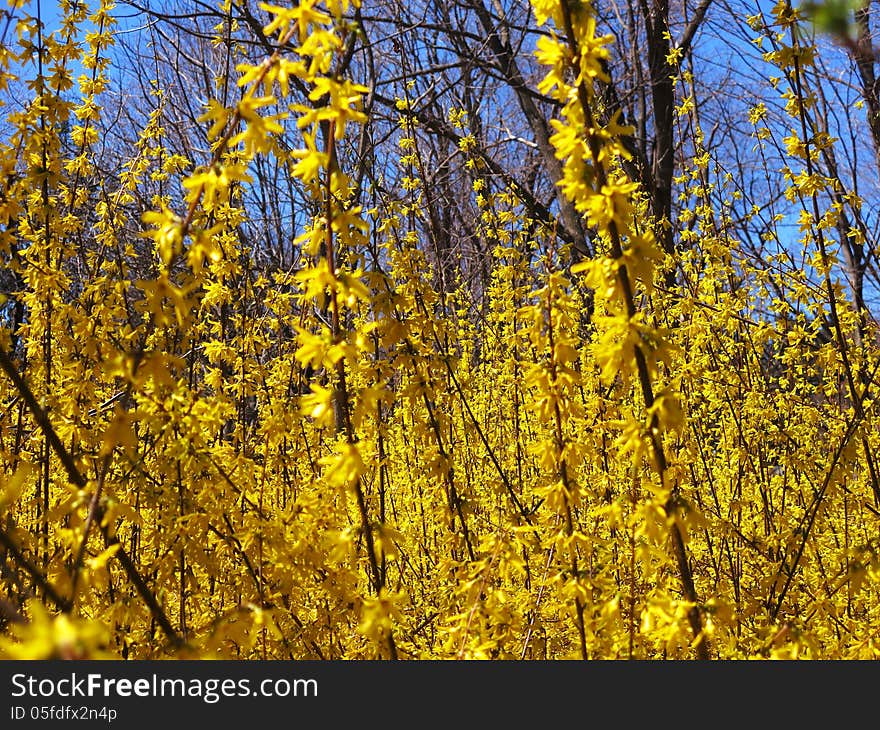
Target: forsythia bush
[642, 454]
